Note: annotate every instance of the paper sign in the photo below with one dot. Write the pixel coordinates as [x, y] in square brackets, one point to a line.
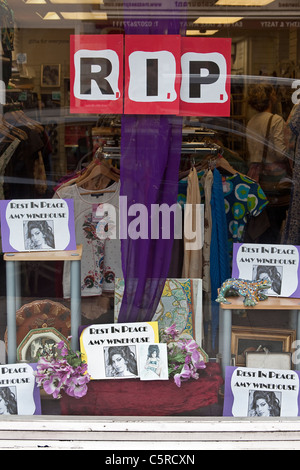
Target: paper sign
[152, 71]
[112, 350]
[205, 83]
[96, 74]
[37, 225]
[19, 394]
[279, 263]
[153, 361]
[261, 392]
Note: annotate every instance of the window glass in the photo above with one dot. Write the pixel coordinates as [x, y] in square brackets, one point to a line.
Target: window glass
[172, 126]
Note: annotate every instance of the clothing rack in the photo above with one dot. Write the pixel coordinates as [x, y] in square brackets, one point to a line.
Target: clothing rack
[193, 148]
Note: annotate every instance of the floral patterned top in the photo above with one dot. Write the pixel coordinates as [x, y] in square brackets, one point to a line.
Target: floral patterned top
[243, 198]
[101, 260]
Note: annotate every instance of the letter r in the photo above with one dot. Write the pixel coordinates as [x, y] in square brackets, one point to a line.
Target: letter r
[98, 69]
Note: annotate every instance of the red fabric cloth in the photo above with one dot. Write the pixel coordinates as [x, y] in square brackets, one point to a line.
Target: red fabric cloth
[133, 397]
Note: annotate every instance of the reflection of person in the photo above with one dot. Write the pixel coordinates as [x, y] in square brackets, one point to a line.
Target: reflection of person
[271, 273]
[262, 98]
[39, 235]
[153, 360]
[50, 75]
[265, 404]
[122, 362]
[8, 402]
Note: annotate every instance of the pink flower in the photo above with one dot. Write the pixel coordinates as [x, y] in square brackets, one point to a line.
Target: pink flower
[63, 348]
[171, 330]
[177, 380]
[77, 386]
[52, 386]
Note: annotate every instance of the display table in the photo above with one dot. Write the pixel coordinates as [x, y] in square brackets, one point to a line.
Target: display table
[288, 304]
[13, 290]
[133, 397]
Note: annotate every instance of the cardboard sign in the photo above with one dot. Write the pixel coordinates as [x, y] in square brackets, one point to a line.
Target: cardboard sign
[261, 392]
[19, 394]
[37, 225]
[96, 74]
[279, 263]
[112, 350]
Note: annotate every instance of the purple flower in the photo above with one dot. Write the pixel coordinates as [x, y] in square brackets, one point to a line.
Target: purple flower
[77, 386]
[171, 330]
[63, 348]
[177, 380]
[62, 371]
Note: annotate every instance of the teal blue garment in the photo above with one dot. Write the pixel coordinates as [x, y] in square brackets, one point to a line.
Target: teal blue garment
[219, 256]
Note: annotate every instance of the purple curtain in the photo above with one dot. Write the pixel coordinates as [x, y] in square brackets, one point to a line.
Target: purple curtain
[150, 157]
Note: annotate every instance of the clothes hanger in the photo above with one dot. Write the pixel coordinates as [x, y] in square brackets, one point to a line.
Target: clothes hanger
[19, 133]
[5, 132]
[100, 169]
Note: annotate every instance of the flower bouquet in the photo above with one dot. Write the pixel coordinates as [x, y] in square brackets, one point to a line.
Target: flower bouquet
[184, 356]
[62, 369]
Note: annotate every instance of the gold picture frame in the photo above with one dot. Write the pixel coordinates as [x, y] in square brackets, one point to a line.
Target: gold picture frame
[50, 75]
[251, 339]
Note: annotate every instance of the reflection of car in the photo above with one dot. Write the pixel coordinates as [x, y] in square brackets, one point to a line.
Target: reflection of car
[231, 130]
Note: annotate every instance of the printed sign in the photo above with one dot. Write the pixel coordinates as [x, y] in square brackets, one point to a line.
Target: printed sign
[205, 83]
[279, 263]
[112, 350]
[164, 74]
[37, 225]
[151, 74]
[19, 394]
[96, 74]
[261, 392]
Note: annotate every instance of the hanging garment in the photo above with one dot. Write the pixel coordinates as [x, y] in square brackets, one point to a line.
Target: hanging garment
[150, 149]
[4, 160]
[219, 256]
[243, 198]
[207, 182]
[101, 262]
[192, 262]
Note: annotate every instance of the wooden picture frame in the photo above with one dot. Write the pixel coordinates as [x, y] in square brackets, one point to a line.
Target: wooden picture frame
[50, 75]
[251, 339]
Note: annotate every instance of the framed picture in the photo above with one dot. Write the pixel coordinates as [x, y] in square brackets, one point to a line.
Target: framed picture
[247, 339]
[269, 361]
[50, 75]
[37, 342]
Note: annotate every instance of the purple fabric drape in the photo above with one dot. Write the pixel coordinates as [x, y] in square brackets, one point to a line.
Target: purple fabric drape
[150, 156]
